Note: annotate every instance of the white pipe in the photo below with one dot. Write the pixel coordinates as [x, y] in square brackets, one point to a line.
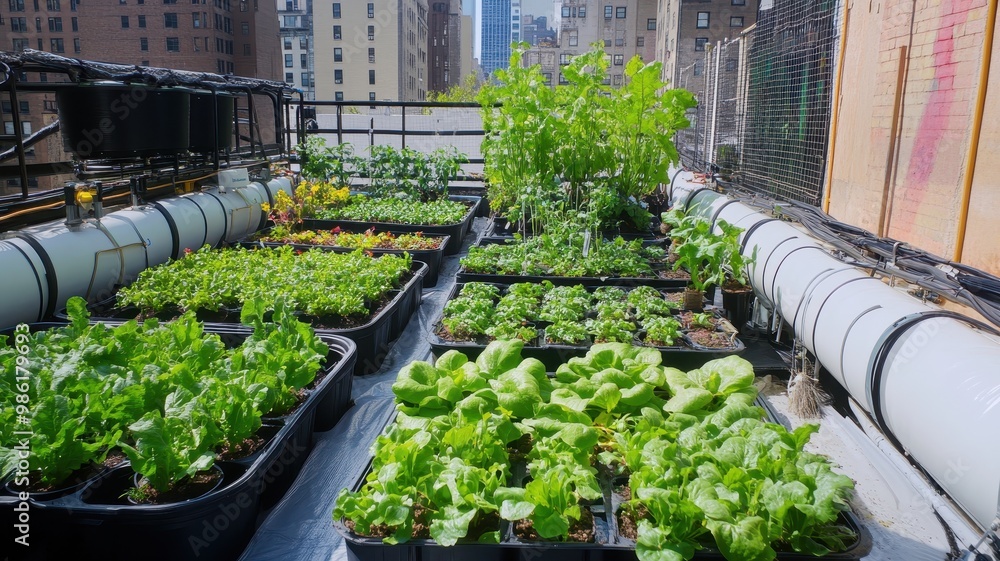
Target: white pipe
[933, 386]
[24, 274]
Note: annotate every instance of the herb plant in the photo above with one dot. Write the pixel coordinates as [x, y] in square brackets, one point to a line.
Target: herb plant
[393, 210]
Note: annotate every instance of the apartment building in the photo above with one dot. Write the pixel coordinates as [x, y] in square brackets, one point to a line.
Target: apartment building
[371, 50]
[445, 45]
[624, 28]
[536, 30]
[688, 28]
[295, 27]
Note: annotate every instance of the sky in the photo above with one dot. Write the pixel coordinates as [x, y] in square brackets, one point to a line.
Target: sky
[537, 7]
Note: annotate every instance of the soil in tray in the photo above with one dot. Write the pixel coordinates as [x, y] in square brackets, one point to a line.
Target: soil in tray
[687, 317]
[518, 450]
[710, 339]
[241, 450]
[77, 478]
[581, 531]
[628, 525]
[672, 274]
[195, 486]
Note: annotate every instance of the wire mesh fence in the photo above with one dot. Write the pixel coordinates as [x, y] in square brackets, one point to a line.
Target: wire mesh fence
[763, 112]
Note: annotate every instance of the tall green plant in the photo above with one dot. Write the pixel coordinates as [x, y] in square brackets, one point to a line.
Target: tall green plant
[326, 163]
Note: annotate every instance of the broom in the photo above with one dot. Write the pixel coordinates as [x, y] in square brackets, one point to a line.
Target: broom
[804, 394]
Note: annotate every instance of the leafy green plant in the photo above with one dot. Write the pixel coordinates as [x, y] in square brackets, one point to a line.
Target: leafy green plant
[326, 163]
[552, 256]
[662, 330]
[396, 211]
[407, 172]
[736, 264]
[566, 333]
[702, 254]
[611, 330]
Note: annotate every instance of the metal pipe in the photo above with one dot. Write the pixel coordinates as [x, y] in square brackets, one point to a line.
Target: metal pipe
[977, 127]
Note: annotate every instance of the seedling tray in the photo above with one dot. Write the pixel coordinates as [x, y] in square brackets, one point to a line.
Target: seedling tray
[501, 228]
[457, 231]
[472, 191]
[655, 282]
[95, 523]
[608, 545]
[373, 338]
[682, 355]
[432, 257]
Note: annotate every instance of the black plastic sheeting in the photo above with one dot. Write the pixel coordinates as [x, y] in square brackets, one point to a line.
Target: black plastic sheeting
[84, 70]
[300, 527]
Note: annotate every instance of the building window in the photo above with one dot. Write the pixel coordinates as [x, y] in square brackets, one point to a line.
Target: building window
[371, 76]
[608, 10]
[698, 68]
[548, 78]
[142, 21]
[565, 11]
[703, 18]
[735, 21]
[289, 21]
[38, 27]
[22, 106]
[289, 78]
[196, 20]
[303, 42]
[699, 43]
[371, 96]
[245, 28]
[57, 45]
[20, 45]
[371, 10]
[563, 80]
[20, 25]
[564, 59]
[173, 45]
[17, 5]
[371, 55]
[620, 12]
[573, 39]
[76, 44]
[49, 106]
[305, 79]
[336, 10]
[52, 5]
[288, 61]
[651, 24]
[143, 44]
[640, 41]
[55, 24]
[617, 81]
[607, 43]
[338, 76]
[338, 55]
[74, 24]
[304, 60]
[170, 21]
[337, 33]
[371, 32]
[581, 13]
[338, 96]
[619, 41]
[739, 2]
[287, 42]
[619, 60]
[246, 49]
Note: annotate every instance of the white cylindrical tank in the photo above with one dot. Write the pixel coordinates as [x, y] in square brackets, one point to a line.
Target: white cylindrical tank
[84, 261]
[796, 275]
[242, 207]
[24, 272]
[187, 223]
[258, 194]
[149, 228]
[772, 241]
[279, 184]
[215, 213]
[738, 214]
[939, 395]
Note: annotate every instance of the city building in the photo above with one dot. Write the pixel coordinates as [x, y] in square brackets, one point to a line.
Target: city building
[444, 45]
[687, 28]
[371, 50]
[536, 30]
[495, 35]
[625, 28]
[295, 21]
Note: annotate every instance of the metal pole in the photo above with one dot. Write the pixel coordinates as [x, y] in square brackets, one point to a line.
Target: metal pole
[404, 125]
[710, 155]
[340, 124]
[19, 142]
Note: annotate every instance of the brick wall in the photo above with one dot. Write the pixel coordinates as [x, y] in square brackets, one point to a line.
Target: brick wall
[922, 178]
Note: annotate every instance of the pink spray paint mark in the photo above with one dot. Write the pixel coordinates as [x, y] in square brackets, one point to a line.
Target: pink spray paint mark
[934, 122]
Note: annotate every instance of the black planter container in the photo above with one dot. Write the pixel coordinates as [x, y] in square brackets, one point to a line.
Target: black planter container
[737, 305]
[473, 191]
[432, 257]
[457, 231]
[372, 338]
[114, 120]
[682, 355]
[95, 522]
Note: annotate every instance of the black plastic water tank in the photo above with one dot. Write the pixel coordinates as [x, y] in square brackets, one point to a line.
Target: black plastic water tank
[201, 122]
[115, 120]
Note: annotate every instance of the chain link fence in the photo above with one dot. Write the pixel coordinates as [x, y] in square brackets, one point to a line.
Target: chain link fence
[764, 98]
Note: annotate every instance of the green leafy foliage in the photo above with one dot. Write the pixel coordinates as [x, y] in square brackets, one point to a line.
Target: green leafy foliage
[705, 469]
[563, 257]
[167, 393]
[396, 211]
[316, 282]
